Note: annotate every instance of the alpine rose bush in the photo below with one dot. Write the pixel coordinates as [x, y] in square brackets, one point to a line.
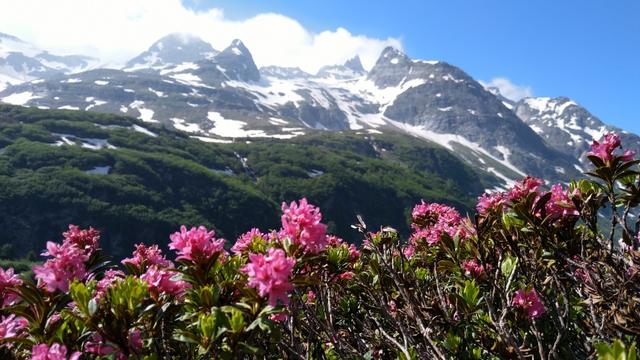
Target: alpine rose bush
[539, 271]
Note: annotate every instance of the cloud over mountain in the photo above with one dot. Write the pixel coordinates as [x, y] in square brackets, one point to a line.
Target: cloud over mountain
[116, 30]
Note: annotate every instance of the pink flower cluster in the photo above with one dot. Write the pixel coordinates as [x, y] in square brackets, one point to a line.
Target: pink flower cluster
[529, 301]
[110, 276]
[270, 275]
[12, 326]
[164, 281]
[67, 264]
[97, 345]
[560, 205]
[8, 281]
[86, 239]
[472, 268]
[431, 221]
[197, 244]
[145, 256]
[604, 149]
[301, 223]
[53, 352]
[244, 241]
[492, 202]
[523, 188]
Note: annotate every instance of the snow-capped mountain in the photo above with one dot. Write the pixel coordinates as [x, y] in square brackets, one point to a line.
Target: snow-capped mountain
[350, 69]
[172, 50]
[182, 82]
[21, 61]
[567, 126]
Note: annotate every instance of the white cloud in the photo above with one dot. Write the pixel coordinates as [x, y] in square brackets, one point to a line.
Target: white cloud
[508, 89]
[117, 30]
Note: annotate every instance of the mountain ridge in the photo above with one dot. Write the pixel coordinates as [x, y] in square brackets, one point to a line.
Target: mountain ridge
[221, 96]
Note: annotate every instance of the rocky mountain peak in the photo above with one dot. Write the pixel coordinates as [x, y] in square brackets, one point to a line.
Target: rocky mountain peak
[354, 64]
[392, 66]
[237, 62]
[352, 68]
[172, 49]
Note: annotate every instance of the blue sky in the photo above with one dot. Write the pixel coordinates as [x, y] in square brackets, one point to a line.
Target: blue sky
[586, 50]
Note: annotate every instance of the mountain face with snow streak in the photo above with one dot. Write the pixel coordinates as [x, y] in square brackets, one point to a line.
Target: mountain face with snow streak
[21, 61]
[173, 49]
[566, 126]
[182, 82]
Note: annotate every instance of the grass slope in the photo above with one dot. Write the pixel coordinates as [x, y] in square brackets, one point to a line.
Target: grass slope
[156, 183]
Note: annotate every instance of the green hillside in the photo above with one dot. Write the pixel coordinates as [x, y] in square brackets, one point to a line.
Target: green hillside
[139, 183]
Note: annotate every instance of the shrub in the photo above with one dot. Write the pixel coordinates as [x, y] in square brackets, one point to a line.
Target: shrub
[533, 274]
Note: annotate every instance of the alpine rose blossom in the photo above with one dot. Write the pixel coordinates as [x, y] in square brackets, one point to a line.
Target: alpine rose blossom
[67, 264]
[604, 148]
[529, 301]
[53, 352]
[97, 345]
[301, 222]
[472, 268]
[490, 202]
[560, 205]
[110, 276]
[431, 221]
[523, 188]
[8, 280]
[162, 281]
[11, 326]
[86, 240]
[197, 244]
[145, 256]
[270, 274]
[245, 240]
[311, 297]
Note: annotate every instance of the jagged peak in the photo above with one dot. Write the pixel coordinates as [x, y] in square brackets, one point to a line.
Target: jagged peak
[354, 64]
[237, 47]
[390, 53]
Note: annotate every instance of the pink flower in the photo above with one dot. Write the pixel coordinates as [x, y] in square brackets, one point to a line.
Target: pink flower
[523, 188]
[347, 275]
[144, 256]
[279, 317]
[12, 326]
[490, 202]
[270, 275]
[604, 148]
[301, 222]
[110, 276]
[559, 205]
[163, 281]
[431, 221]
[353, 252]
[628, 155]
[67, 264]
[97, 345]
[529, 301]
[245, 240]
[53, 352]
[472, 268]
[311, 297]
[408, 251]
[333, 240]
[135, 340]
[393, 308]
[8, 281]
[86, 240]
[197, 245]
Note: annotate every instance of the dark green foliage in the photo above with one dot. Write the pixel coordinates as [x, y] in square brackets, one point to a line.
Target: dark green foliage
[155, 184]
